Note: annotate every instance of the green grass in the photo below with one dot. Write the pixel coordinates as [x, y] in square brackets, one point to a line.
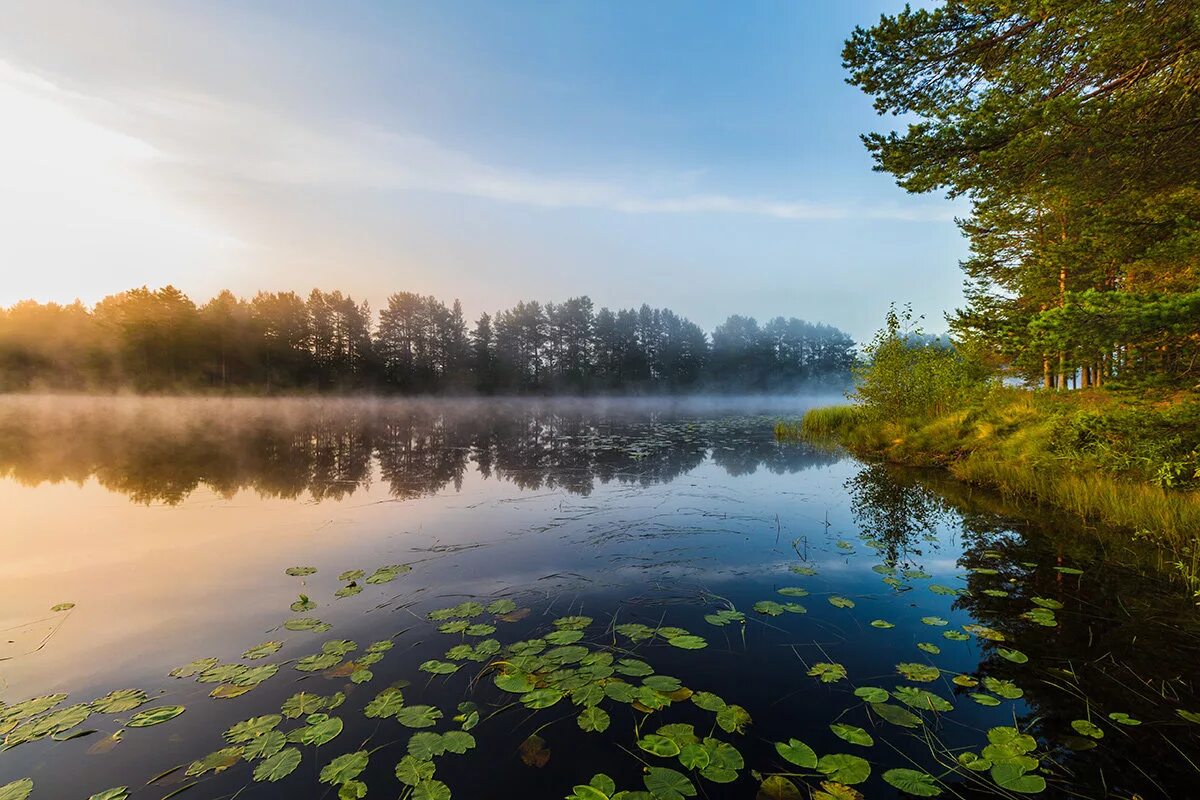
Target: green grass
[1109, 460]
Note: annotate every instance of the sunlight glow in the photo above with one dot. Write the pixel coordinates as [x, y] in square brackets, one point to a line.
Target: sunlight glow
[78, 201]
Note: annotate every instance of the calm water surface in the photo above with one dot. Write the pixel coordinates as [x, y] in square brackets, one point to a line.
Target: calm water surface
[565, 580]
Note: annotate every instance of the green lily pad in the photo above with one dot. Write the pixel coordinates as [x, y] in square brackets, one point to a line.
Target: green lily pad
[852, 734]
[154, 716]
[119, 701]
[872, 694]
[344, 768]
[914, 782]
[593, 719]
[411, 770]
[797, 752]
[278, 766]
[659, 746]
[668, 784]
[844, 768]
[828, 673]
[418, 716]
[777, 787]
[17, 790]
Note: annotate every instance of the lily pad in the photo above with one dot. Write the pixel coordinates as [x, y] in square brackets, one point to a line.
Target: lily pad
[668, 784]
[154, 716]
[914, 782]
[278, 766]
[797, 752]
[852, 734]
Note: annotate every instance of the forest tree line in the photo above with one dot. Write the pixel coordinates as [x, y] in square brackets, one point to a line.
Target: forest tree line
[1073, 128]
[160, 340]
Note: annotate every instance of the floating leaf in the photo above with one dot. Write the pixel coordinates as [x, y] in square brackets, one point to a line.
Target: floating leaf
[278, 766]
[921, 698]
[708, 701]
[319, 733]
[955, 636]
[1015, 656]
[852, 734]
[154, 716]
[984, 632]
[881, 623]
[411, 771]
[564, 636]
[431, 790]
[694, 756]
[896, 715]
[300, 572]
[301, 704]
[418, 716]
[733, 719]
[215, 762]
[62, 607]
[344, 768]
[1190, 716]
[533, 751]
[194, 668]
[872, 694]
[120, 793]
[593, 719]
[922, 673]
[244, 731]
[1015, 779]
[797, 752]
[264, 746]
[386, 704]
[1087, 728]
[688, 642]
[307, 624]
[1069, 570]
[937, 588]
[911, 781]
[984, 699]
[262, 650]
[844, 768]
[119, 701]
[837, 601]
[658, 745]
[828, 673]
[1006, 689]
[435, 667]
[929, 647]
[668, 784]
[318, 662]
[1122, 718]
[541, 698]
[777, 787]
[1046, 602]
[937, 622]
[351, 575]
[389, 573]
[501, 606]
[17, 790]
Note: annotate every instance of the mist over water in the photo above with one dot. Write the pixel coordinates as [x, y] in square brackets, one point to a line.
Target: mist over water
[169, 524]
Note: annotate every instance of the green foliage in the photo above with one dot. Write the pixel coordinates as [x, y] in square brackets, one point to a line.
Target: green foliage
[905, 376]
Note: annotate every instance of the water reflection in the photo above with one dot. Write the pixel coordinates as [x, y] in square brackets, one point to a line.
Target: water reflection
[162, 451]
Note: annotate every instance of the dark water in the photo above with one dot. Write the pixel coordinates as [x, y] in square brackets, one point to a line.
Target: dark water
[170, 526]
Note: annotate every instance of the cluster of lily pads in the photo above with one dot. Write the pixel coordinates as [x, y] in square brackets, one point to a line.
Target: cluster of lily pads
[594, 669]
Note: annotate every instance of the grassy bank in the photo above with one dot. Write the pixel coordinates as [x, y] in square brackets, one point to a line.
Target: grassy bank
[1111, 460]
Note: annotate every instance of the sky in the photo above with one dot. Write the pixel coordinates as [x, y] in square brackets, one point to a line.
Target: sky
[702, 156]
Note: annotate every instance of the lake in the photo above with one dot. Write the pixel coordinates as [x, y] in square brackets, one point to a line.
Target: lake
[548, 599]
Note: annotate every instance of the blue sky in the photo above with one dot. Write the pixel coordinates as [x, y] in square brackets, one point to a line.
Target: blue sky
[701, 156]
